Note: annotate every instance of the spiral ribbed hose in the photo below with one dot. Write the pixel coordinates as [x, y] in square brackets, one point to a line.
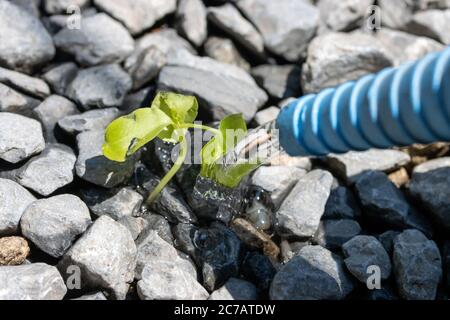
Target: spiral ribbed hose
[395, 107]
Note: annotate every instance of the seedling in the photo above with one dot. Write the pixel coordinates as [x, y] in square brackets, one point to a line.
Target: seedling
[169, 118]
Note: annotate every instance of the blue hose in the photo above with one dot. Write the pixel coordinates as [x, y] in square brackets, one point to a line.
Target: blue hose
[395, 107]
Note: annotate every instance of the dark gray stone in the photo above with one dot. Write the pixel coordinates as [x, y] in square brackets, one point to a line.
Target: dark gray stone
[417, 266]
[387, 240]
[361, 252]
[191, 20]
[93, 167]
[230, 20]
[332, 234]
[341, 205]
[258, 269]
[117, 203]
[383, 204]
[25, 45]
[280, 82]
[313, 274]
[286, 26]
[137, 15]
[344, 56]
[36, 281]
[16, 102]
[430, 184]
[100, 87]
[100, 40]
[20, 137]
[159, 224]
[106, 255]
[61, 76]
[148, 65]
[53, 224]
[300, 213]
[14, 199]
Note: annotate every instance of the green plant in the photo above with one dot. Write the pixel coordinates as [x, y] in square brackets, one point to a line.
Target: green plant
[169, 118]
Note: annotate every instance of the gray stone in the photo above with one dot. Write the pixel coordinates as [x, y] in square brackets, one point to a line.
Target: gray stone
[313, 274]
[384, 205]
[267, 115]
[61, 6]
[343, 15]
[397, 14]
[164, 280]
[138, 99]
[116, 204]
[26, 45]
[106, 255]
[351, 165]
[387, 240]
[134, 224]
[29, 85]
[224, 50]
[147, 67]
[235, 289]
[286, 26]
[300, 213]
[53, 224]
[87, 121]
[100, 87]
[191, 16]
[361, 252]
[225, 89]
[14, 199]
[137, 15]
[92, 166]
[431, 23]
[341, 205]
[37, 281]
[230, 20]
[332, 234]
[92, 296]
[417, 266]
[258, 268]
[159, 224]
[430, 184]
[20, 137]
[100, 40]
[153, 249]
[278, 181]
[16, 102]
[32, 6]
[446, 262]
[404, 47]
[47, 172]
[164, 40]
[50, 111]
[279, 81]
[344, 56]
[61, 76]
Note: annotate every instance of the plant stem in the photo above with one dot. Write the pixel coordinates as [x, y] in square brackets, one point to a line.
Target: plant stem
[201, 127]
[176, 166]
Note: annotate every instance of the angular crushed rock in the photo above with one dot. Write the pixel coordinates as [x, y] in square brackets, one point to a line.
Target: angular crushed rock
[280, 82]
[341, 204]
[100, 40]
[53, 224]
[235, 289]
[90, 120]
[343, 15]
[60, 77]
[224, 50]
[332, 234]
[106, 255]
[37, 281]
[20, 137]
[16, 102]
[29, 85]
[300, 213]
[191, 17]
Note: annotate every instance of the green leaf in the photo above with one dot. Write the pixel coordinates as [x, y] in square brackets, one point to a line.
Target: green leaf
[232, 130]
[180, 108]
[126, 135]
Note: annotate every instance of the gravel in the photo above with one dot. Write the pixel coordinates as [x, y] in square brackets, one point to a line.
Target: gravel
[13, 251]
[52, 224]
[235, 289]
[29, 85]
[280, 82]
[74, 124]
[332, 234]
[191, 15]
